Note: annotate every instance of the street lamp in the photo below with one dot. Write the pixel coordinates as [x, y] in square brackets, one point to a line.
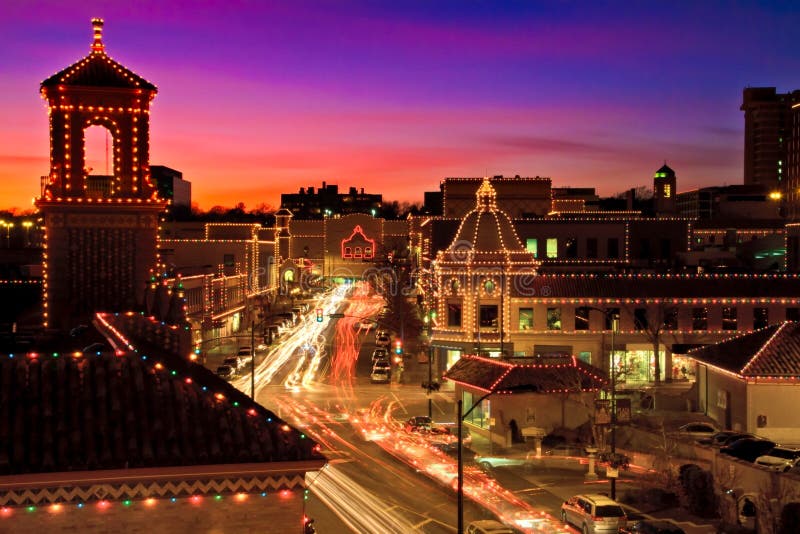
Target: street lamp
[459, 407]
[429, 385]
[612, 317]
[27, 225]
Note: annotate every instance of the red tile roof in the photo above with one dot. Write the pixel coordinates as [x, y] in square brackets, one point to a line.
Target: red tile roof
[66, 413]
[98, 70]
[540, 374]
[772, 351]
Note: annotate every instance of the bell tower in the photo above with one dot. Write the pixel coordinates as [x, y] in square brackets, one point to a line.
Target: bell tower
[100, 230]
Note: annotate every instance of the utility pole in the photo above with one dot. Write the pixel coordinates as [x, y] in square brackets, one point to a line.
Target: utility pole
[252, 360]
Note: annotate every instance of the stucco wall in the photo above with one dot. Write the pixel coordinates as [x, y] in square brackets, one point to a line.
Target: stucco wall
[276, 512]
[778, 404]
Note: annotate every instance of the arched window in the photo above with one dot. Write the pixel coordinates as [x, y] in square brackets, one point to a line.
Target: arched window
[454, 286]
[488, 286]
[357, 253]
[348, 252]
[367, 252]
[288, 275]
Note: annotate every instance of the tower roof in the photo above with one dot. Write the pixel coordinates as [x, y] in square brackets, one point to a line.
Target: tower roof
[98, 69]
[487, 227]
[664, 171]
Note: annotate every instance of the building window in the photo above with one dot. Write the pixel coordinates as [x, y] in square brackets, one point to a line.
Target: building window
[671, 319]
[666, 248]
[585, 357]
[488, 316]
[612, 319]
[526, 318]
[554, 318]
[793, 314]
[613, 247]
[582, 318]
[699, 318]
[357, 253]
[348, 252]
[667, 190]
[644, 248]
[571, 248]
[367, 252]
[228, 260]
[760, 318]
[454, 286]
[488, 286]
[729, 318]
[453, 314]
[591, 247]
[552, 247]
[640, 318]
[532, 246]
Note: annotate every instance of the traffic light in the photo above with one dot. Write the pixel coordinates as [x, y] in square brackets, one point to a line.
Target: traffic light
[319, 315]
[398, 346]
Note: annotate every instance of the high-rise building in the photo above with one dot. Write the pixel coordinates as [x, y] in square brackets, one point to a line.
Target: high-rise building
[767, 132]
[664, 191]
[792, 190]
[100, 231]
[171, 185]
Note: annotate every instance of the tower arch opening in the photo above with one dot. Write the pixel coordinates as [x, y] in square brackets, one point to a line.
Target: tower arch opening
[98, 161]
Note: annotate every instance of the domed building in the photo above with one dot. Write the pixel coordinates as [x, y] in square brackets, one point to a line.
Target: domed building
[477, 278]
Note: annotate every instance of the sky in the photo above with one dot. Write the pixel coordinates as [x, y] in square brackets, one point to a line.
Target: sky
[259, 98]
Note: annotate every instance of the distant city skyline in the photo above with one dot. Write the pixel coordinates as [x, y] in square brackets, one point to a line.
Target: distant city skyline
[262, 99]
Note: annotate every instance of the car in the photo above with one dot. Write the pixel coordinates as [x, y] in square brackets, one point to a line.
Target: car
[226, 371]
[418, 423]
[647, 526]
[245, 350]
[380, 354]
[234, 362]
[779, 459]
[490, 463]
[748, 449]
[697, 430]
[593, 513]
[379, 376]
[564, 449]
[488, 526]
[382, 364]
[720, 439]
[382, 340]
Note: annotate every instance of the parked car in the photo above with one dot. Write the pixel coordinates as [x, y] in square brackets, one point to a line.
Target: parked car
[779, 459]
[488, 526]
[593, 513]
[417, 423]
[379, 375]
[380, 354]
[226, 371]
[490, 463]
[748, 449]
[234, 362]
[720, 439]
[655, 527]
[697, 430]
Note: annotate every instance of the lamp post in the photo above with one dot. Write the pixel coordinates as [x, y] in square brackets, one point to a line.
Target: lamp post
[614, 320]
[27, 225]
[429, 387]
[460, 423]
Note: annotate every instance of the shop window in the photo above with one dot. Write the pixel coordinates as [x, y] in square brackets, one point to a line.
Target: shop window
[488, 316]
[554, 318]
[760, 318]
[552, 247]
[611, 319]
[613, 248]
[699, 318]
[591, 247]
[640, 318]
[585, 357]
[671, 319]
[793, 314]
[582, 318]
[571, 248]
[729, 318]
[532, 246]
[454, 314]
[526, 318]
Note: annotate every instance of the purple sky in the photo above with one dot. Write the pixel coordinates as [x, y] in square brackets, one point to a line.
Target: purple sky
[259, 98]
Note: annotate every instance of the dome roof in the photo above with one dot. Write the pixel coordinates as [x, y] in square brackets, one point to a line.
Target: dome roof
[486, 234]
[98, 69]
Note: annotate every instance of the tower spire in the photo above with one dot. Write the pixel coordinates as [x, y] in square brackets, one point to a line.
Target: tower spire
[97, 28]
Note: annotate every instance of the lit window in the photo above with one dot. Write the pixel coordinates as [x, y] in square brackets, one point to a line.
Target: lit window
[554, 318]
[667, 190]
[532, 245]
[348, 252]
[525, 318]
[552, 247]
